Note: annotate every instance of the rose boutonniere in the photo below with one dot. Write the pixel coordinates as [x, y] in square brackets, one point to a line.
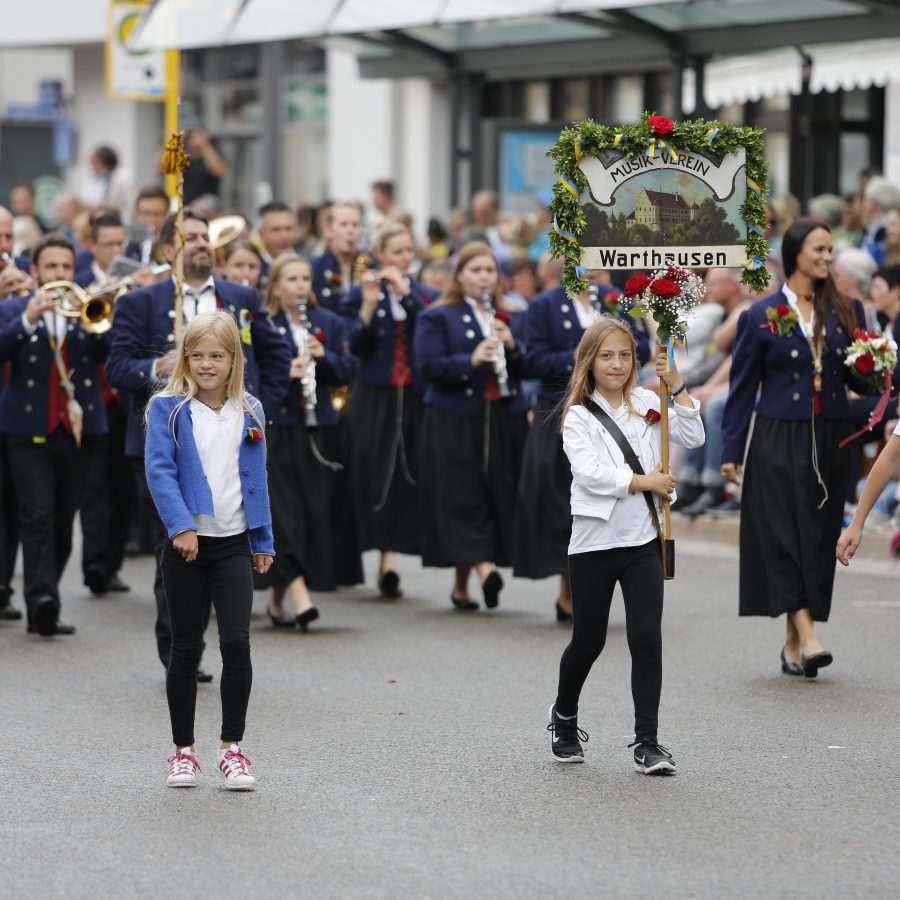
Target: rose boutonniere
[660, 125]
[611, 303]
[254, 435]
[782, 320]
[319, 335]
[651, 418]
[502, 317]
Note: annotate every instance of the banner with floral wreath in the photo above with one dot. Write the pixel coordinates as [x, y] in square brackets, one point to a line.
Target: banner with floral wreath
[659, 193]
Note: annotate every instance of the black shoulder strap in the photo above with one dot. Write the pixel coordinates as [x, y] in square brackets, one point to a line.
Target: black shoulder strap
[606, 420]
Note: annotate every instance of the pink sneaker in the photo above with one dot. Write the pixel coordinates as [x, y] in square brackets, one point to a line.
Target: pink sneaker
[183, 769]
[234, 767]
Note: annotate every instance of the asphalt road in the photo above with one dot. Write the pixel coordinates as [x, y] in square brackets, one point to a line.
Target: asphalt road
[401, 752]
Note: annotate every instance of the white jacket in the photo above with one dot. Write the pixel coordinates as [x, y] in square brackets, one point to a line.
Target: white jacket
[600, 475]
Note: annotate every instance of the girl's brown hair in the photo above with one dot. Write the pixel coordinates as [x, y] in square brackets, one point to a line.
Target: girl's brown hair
[581, 384]
[273, 305]
[454, 293]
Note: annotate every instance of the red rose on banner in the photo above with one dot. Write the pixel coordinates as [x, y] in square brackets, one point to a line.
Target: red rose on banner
[865, 364]
[782, 309]
[636, 284]
[660, 125]
[664, 288]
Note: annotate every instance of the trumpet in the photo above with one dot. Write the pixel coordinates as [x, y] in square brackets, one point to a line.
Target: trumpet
[7, 260]
[94, 307]
[500, 372]
[308, 381]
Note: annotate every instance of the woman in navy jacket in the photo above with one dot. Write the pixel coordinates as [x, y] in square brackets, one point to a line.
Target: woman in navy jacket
[386, 409]
[313, 527]
[788, 368]
[472, 440]
[556, 323]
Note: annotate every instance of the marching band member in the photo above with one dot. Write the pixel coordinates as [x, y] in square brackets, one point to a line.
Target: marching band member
[243, 263]
[556, 323]
[472, 440]
[52, 414]
[142, 353]
[277, 231]
[341, 265]
[15, 271]
[315, 548]
[385, 415]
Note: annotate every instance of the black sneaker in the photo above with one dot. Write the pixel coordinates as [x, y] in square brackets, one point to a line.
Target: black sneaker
[565, 744]
[652, 759]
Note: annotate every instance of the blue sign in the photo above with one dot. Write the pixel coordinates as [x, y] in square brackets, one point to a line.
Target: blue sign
[525, 168]
[63, 140]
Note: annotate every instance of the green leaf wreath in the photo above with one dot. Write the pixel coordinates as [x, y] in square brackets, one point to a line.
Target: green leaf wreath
[587, 138]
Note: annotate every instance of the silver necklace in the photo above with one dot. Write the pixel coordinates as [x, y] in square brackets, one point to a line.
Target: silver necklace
[214, 408]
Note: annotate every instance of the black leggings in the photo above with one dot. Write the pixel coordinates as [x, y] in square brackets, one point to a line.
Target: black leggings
[593, 578]
[222, 575]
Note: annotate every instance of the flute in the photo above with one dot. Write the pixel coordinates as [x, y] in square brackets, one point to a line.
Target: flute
[500, 372]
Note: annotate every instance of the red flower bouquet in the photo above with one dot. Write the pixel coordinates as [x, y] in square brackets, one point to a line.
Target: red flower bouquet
[664, 288]
[635, 285]
[668, 295]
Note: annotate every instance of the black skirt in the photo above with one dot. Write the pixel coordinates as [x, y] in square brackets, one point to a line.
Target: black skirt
[543, 509]
[384, 425]
[307, 517]
[787, 542]
[467, 490]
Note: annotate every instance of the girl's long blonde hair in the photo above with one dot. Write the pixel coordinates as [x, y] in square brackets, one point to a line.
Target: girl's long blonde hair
[454, 292]
[273, 304]
[581, 384]
[181, 383]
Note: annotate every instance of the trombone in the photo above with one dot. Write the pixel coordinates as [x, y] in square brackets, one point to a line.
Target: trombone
[95, 307]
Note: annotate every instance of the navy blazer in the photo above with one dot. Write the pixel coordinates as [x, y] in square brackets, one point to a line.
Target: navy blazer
[446, 335]
[779, 369]
[143, 330]
[178, 484]
[373, 344]
[335, 368]
[553, 335]
[24, 403]
[327, 285]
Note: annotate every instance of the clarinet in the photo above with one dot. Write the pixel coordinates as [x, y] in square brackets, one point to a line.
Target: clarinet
[308, 381]
[594, 299]
[503, 388]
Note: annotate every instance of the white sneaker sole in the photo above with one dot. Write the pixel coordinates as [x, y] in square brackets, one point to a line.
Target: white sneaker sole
[236, 786]
[563, 759]
[661, 768]
[182, 782]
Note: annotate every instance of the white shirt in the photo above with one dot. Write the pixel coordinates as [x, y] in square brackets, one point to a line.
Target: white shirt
[218, 438]
[55, 323]
[604, 514]
[199, 300]
[398, 312]
[480, 317]
[586, 317]
[806, 326]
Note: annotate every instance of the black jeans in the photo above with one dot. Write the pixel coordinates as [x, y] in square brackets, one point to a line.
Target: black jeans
[222, 572]
[593, 578]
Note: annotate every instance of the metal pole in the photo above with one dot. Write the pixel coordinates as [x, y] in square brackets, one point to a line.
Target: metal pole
[172, 100]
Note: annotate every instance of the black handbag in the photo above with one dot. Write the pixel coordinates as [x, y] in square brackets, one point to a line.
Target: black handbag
[667, 544]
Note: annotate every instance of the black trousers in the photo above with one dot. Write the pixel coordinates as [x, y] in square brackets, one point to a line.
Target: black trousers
[109, 501]
[163, 627]
[593, 578]
[9, 526]
[222, 572]
[94, 507]
[47, 475]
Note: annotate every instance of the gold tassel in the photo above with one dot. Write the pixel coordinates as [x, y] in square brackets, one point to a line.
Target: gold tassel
[175, 159]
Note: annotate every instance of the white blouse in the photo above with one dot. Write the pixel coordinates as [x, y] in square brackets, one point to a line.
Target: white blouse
[604, 514]
[218, 438]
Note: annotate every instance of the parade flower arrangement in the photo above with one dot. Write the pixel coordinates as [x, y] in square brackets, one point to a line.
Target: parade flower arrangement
[254, 435]
[668, 295]
[872, 357]
[651, 418]
[611, 303]
[589, 138]
[782, 320]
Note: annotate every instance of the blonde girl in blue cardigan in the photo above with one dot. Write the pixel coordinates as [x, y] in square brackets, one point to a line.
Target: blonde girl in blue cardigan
[206, 469]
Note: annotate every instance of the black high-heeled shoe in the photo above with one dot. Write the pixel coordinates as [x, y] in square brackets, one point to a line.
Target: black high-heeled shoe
[280, 621]
[389, 585]
[790, 668]
[490, 589]
[304, 618]
[463, 604]
[563, 617]
[812, 664]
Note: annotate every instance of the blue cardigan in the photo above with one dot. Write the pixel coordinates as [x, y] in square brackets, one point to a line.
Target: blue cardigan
[179, 486]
